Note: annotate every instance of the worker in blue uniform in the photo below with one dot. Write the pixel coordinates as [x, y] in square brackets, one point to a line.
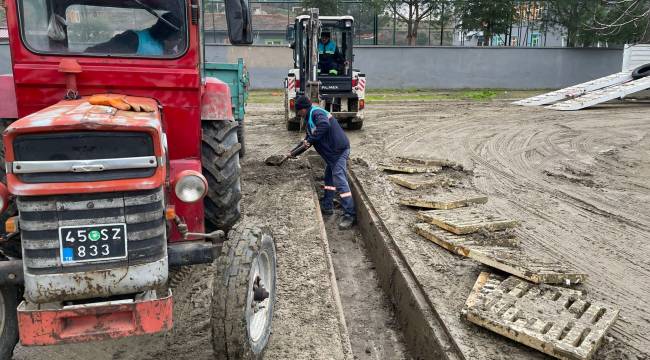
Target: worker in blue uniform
[331, 143]
[327, 54]
[153, 41]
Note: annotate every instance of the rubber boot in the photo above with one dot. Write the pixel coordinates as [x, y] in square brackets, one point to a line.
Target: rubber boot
[346, 222]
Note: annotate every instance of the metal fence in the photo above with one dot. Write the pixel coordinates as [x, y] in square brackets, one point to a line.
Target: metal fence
[383, 27]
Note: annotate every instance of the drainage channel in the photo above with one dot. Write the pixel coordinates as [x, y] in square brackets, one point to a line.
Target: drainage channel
[369, 315]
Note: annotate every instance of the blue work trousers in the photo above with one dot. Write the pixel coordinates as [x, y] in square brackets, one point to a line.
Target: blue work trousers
[336, 180]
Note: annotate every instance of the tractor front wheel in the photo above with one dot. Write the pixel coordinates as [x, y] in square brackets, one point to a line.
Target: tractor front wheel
[8, 321]
[220, 160]
[243, 295]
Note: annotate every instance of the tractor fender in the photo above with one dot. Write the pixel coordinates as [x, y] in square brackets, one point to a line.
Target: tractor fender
[216, 103]
[8, 105]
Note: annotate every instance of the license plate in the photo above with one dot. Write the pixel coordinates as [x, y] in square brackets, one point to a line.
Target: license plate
[92, 243]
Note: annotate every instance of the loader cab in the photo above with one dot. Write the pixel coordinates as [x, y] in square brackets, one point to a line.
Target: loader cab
[335, 56]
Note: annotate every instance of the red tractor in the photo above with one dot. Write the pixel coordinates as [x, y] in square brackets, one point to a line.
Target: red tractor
[120, 162]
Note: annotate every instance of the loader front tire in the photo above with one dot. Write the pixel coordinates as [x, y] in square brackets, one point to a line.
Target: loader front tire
[243, 295]
[220, 162]
[355, 125]
[8, 321]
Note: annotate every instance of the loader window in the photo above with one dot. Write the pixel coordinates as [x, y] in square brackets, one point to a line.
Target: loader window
[142, 28]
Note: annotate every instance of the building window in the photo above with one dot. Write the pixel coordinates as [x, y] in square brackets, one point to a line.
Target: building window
[534, 39]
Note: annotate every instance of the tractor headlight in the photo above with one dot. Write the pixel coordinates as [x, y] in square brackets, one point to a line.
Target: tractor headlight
[190, 186]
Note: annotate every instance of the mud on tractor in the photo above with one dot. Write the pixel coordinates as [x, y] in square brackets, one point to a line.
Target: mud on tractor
[120, 163]
[341, 89]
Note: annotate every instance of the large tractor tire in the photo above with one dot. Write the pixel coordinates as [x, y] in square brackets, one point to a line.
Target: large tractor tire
[243, 295]
[8, 321]
[220, 160]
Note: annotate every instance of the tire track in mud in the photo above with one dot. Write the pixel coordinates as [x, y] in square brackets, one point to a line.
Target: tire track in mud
[597, 229]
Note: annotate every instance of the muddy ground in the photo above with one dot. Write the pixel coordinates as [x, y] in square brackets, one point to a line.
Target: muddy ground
[307, 322]
[578, 181]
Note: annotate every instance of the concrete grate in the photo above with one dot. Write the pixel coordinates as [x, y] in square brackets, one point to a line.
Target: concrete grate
[502, 254]
[444, 201]
[557, 321]
[467, 220]
[417, 183]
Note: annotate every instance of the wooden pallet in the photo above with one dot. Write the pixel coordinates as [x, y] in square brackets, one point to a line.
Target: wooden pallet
[503, 255]
[557, 321]
[467, 220]
[443, 201]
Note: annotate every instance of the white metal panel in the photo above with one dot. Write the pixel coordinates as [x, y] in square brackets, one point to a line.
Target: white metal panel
[576, 90]
[635, 56]
[603, 95]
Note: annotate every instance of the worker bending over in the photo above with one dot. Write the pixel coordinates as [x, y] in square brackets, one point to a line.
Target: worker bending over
[331, 143]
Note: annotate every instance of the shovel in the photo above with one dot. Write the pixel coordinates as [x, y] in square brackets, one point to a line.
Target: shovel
[278, 160]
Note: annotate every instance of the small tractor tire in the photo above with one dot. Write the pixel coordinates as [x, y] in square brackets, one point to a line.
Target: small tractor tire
[8, 321]
[220, 162]
[241, 137]
[355, 125]
[243, 296]
[641, 72]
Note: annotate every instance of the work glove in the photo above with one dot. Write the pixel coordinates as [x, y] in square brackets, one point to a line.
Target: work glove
[120, 103]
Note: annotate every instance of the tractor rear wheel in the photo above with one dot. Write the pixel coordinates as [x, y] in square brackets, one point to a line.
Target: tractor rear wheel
[8, 321]
[220, 161]
[243, 295]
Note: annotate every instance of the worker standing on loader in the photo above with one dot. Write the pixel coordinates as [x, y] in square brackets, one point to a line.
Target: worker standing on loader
[331, 143]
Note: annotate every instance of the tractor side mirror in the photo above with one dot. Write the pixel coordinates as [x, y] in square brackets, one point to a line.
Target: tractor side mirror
[239, 20]
[290, 36]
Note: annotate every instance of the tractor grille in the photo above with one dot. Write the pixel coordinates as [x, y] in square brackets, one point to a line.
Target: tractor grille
[83, 145]
[41, 217]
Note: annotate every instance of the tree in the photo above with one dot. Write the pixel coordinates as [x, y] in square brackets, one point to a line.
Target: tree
[624, 21]
[492, 17]
[576, 18]
[412, 12]
[326, 7]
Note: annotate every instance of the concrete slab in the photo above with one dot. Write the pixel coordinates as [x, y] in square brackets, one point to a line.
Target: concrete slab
[415, 183]
[426, 162]
[409, 169]
[560, 322]
[502, 255]
[467, 220]
[444, 201]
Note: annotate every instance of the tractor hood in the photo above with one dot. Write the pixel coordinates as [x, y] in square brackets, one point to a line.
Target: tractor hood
[81, 115]
[77, 146]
